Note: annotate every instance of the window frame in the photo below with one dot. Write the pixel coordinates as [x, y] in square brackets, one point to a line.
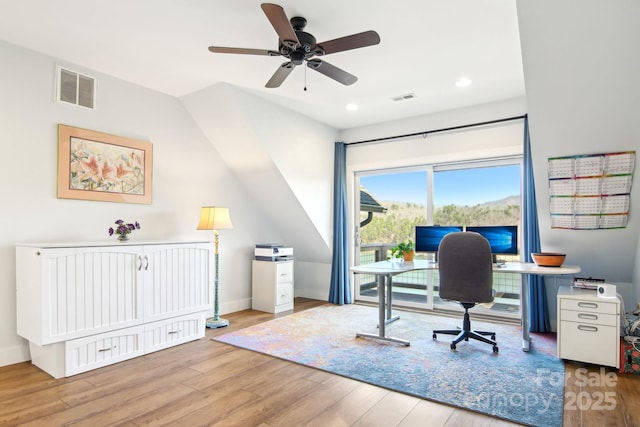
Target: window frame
[431, 169]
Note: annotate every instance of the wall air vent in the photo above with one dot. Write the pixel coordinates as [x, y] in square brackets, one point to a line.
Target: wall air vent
[76, 88]
[404, 97]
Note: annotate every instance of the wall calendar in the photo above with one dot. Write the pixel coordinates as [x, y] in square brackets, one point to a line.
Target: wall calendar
[590, 191]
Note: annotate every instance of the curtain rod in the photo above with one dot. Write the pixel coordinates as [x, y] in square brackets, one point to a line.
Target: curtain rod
[427, 132]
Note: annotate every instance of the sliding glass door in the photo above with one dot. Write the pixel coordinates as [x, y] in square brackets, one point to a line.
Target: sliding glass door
[483, 195]
[393, 202]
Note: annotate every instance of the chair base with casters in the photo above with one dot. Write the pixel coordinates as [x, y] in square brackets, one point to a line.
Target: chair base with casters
[465, 333]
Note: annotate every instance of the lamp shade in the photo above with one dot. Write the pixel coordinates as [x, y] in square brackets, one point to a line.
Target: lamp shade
[214, 218]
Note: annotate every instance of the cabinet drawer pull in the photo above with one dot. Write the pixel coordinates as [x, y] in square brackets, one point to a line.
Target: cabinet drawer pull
[587, 316]
[587, 328]
[587, 304]
[102, 350]
[174, 332]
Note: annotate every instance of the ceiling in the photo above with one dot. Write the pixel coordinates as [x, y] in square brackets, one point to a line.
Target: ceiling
[426, 46]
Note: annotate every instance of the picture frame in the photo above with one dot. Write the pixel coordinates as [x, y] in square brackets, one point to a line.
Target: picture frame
[103, 167]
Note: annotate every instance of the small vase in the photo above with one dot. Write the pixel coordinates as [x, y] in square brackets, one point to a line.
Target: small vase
[123, 237]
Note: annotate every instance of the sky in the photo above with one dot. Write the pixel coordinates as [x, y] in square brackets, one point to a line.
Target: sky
[460, 187]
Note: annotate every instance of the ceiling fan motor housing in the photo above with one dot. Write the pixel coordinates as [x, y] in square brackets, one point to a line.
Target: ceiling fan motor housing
[306, 49]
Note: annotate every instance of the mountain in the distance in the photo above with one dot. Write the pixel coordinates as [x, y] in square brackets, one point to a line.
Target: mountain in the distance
[506, 201]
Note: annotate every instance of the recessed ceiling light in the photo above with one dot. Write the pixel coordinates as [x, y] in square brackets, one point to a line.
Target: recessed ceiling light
[463, 82]
[351, 107]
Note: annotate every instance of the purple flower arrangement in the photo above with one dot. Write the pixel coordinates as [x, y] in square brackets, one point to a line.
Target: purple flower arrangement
[122, 229]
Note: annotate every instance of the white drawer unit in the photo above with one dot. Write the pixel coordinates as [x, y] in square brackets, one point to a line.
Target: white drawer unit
[272, 286]
[82, 307]
[588, 327]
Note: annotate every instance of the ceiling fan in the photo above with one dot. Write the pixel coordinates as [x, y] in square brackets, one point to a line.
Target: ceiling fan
[299, 46]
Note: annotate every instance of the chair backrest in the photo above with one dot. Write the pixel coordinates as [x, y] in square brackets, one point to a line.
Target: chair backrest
[465, 267]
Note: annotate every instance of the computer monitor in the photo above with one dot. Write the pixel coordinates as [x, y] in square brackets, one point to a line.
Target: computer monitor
[428, 237]
[503, 239]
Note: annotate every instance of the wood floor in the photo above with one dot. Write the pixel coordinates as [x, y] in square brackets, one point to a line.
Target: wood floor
[206, 383]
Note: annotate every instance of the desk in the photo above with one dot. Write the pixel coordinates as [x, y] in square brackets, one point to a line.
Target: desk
[385, 270]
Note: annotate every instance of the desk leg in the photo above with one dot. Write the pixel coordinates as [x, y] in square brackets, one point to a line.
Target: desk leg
[524, 311]
[384, 281]
[390, 317]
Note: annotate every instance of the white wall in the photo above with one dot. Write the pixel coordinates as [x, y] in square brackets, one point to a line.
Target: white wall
[188, 173]
[284, 159]
[285, 162]
[581, 62]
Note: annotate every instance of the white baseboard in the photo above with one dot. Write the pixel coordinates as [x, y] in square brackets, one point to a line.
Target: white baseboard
[233, 306]
[14, 354]
[316, 294]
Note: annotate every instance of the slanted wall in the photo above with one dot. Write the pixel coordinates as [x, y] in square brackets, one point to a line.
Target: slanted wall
[284, 159]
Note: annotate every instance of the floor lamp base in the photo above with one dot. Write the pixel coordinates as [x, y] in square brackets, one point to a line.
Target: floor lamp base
[220, 323]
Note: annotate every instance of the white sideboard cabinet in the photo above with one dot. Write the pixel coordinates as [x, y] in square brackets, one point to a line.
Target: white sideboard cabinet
[272, 286]
[588, 327]
[84, 306]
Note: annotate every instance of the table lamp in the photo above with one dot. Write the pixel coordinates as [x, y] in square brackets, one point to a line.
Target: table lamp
[215, 218]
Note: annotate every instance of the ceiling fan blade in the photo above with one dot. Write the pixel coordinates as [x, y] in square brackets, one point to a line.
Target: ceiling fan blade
[354, 41]
[332, 71]
[280, 75]
[241, 50]
[280, 22]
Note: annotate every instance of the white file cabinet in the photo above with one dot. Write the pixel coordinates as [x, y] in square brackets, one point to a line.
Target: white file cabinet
[588, 327]
[272, 286]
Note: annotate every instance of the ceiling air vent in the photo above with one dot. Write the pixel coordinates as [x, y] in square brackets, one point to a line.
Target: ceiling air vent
[404, 97]
[76, 88]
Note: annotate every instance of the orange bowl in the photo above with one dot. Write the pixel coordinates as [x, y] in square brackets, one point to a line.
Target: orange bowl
[548, 259]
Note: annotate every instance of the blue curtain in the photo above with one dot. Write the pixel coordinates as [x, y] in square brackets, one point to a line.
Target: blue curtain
[538, 310]
[340, 290]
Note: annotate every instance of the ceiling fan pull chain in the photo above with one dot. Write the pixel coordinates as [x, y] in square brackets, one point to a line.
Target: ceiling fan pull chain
[305, 79]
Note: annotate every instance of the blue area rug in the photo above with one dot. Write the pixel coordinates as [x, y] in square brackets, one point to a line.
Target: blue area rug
[524, 387]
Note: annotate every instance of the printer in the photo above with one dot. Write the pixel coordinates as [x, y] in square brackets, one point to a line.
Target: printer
[273, 252]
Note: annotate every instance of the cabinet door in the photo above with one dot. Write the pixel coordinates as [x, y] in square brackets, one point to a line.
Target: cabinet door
[94, 289]
[177, 279]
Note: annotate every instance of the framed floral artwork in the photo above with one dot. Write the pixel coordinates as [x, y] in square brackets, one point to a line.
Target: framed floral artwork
[103, 167]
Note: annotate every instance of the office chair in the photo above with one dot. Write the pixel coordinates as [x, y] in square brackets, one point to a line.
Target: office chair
[466, 275]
